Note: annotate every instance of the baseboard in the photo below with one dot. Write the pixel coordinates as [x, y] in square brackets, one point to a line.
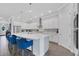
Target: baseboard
[53, 42]
[75, 51]
[71, 50]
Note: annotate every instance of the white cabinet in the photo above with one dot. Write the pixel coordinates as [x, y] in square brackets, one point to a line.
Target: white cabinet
[51, 23]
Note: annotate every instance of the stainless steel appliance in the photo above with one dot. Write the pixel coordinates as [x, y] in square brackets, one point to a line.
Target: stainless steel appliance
[76, 31]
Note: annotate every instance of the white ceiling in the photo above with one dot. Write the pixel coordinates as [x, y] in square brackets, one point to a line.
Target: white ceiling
[28, 11]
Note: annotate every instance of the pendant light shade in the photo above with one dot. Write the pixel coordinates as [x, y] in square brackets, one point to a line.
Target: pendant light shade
[40, 22]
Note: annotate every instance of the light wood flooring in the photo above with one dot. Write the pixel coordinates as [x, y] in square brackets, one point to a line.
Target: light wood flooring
[54, 49]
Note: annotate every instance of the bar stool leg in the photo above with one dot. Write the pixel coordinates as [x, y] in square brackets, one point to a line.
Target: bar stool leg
[17, 52]
[14, 50]
[32, 49]
[22, 52]
[10, 48]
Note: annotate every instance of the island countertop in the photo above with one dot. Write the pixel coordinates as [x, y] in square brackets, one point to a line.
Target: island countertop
[31, 35]
[40, 42]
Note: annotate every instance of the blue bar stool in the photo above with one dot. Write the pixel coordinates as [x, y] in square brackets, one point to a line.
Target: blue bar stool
[11, 38]
[12, 43]
[23, 44]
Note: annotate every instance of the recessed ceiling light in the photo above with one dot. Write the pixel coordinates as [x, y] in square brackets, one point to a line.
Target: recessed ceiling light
[30, 11]
[1, 17]
[30, 18]
[18, 17]
[35, 16]
[42, 14]
[49, 11]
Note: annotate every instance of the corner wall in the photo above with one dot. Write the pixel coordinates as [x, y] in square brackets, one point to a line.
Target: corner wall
[66, 18]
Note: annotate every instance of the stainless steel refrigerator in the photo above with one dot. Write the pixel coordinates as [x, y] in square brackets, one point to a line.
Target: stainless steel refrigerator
[76, 31]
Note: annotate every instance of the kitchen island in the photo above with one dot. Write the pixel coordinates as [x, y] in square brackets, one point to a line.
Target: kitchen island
[40, 42]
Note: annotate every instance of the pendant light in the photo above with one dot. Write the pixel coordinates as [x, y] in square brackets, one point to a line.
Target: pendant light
[40, 22]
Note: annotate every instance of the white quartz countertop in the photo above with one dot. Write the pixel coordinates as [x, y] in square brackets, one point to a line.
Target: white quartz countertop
[40, 42]
[31, 35]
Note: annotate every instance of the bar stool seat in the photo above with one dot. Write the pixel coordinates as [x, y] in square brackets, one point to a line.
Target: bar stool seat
[23, 44]
[12, 39]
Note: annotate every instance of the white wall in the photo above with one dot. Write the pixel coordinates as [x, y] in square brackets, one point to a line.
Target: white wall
[50, 23]
[33, 25]
[66, 18]
[65, 25]
[53, 36]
